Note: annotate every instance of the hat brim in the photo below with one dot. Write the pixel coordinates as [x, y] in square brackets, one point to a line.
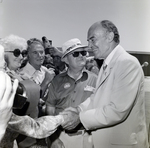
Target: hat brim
[73, 49]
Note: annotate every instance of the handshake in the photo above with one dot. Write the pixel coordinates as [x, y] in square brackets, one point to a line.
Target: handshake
[70, 118]
[46, 125]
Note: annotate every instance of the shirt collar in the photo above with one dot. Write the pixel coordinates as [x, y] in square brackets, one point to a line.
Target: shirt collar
[109, 57]
[83, 76]
[31, 69]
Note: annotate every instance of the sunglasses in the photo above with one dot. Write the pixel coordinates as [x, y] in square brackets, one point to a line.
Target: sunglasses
[76, 53]
[17, 52]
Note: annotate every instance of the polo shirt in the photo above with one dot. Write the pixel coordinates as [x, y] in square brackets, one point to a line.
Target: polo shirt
[65, 92]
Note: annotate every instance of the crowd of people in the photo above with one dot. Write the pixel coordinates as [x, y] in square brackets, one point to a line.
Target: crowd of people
[72, 99]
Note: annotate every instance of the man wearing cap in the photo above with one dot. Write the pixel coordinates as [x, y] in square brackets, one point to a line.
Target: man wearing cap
[69, 89]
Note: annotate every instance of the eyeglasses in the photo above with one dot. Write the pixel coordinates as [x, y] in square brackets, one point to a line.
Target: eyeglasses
[76, 53]
[17, 52]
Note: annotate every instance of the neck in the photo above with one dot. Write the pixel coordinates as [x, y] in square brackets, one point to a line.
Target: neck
[62, 67]
[74, 73]
[37, 67]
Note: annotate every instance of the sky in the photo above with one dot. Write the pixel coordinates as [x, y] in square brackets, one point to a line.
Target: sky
[61, 20]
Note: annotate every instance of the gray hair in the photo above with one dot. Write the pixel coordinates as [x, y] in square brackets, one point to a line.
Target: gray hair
[12, 42]
[110, 27]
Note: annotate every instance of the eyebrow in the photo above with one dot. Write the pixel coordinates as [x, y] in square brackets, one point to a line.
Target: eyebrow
[90, 38]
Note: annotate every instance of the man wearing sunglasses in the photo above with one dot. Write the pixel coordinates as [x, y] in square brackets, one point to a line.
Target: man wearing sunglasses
[70, 89]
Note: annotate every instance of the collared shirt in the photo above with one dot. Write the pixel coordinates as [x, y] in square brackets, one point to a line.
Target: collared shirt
[29, 72]
[65, 92]
[109, 57]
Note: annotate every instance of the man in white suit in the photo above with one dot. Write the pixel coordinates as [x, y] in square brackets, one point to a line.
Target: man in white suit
[115, 113]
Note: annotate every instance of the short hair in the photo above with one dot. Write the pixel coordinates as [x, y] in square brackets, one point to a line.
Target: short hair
[12, 42]
[110, 27]
[34, 41]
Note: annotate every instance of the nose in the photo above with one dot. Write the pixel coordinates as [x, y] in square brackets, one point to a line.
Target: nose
[40, 54]
[20, 56]
[89, 44]
[80, 55]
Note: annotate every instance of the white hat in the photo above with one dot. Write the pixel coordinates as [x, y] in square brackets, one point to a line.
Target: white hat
[71, 45]
[2, 61]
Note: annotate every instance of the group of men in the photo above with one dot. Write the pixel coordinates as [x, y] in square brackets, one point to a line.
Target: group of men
[107, 111]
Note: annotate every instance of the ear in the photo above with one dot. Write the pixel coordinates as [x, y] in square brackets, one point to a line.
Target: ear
[65, 59]
[110, 36]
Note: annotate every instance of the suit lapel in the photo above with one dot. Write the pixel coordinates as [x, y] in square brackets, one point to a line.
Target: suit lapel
[103, 75]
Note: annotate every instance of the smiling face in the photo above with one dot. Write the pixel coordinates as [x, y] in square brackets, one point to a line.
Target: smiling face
[12, 61]
[98, 41]
[36, 55]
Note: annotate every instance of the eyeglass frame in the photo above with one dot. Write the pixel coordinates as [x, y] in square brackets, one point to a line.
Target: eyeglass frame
[23, 53]
[76, 53]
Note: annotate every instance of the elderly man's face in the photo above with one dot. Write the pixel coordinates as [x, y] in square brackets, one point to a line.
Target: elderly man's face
[36, 55]
[97, 41]
[77, 59]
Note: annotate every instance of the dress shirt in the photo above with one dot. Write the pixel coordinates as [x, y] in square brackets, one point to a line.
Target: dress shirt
[109, 57]
[29, 72]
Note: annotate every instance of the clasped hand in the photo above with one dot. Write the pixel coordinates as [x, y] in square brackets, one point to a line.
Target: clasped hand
[71, 118]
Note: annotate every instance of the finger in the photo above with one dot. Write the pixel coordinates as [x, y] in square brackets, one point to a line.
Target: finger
[69, 108]
[12, 97]
[66, 125]
[69, 127]
[64, 113]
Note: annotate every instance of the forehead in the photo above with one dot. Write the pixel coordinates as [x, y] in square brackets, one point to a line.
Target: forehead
[95, 31]
[36, 47]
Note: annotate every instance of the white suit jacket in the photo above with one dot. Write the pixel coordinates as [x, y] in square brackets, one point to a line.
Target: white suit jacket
[115, 113]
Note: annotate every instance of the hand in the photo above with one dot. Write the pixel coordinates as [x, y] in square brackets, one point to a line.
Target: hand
[55, 51]
[48, 77]
[73, 109]
[57, 144]
[71, 119]
[7, 93]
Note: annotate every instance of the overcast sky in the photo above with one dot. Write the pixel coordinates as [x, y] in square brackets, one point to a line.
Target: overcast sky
[61, 20]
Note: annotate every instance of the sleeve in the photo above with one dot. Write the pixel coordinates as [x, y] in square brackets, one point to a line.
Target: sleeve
[83, 106]
[37, 128]
[125, 89]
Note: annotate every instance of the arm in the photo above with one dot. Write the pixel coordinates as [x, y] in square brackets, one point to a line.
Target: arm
[36, 128]
[7, 93]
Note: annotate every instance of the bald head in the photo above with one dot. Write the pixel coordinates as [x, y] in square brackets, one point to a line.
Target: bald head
[102, 38]
[106, 26]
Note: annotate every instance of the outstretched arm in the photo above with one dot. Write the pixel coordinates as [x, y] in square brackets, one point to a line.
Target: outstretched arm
[37, 128]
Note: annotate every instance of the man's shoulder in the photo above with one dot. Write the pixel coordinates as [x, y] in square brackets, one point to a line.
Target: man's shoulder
[90, 74]
[60, 77]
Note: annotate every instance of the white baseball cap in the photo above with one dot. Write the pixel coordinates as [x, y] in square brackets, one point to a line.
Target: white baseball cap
[71, 45]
